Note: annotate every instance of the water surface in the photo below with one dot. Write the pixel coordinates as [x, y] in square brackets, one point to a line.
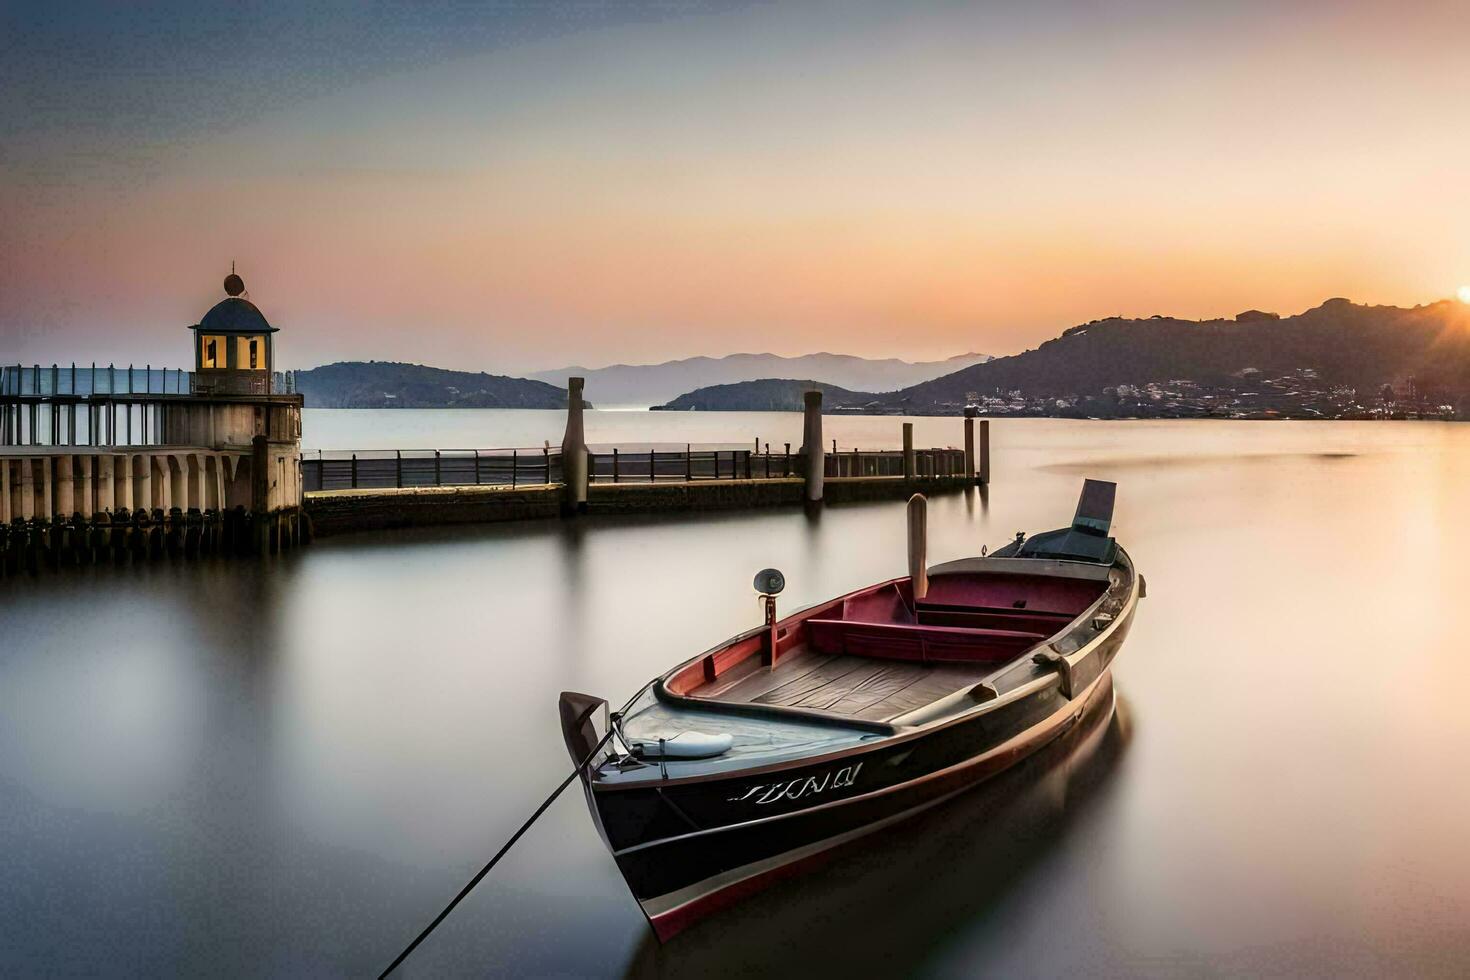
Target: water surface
[286, 767]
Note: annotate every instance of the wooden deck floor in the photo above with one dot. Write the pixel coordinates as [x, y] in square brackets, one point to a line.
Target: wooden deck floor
[860, 687]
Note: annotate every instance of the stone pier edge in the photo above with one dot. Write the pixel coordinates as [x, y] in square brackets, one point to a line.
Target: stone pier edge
[346, 511]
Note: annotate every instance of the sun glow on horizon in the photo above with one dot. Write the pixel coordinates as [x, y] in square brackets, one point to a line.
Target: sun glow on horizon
[633, 193]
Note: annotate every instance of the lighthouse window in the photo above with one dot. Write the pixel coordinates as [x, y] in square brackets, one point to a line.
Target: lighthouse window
[250, 353]
[212, 352]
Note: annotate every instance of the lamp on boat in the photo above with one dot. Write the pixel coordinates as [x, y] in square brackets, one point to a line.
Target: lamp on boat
[769, 582]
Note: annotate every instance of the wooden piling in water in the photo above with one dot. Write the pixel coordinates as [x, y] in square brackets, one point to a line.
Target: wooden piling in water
[969, 442]
[816, 463]
[985, 451]
[574, 452]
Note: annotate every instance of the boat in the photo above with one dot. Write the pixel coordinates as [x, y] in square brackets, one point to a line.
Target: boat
[780, 746]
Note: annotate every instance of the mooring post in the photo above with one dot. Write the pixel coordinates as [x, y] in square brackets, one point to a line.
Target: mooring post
[908, 451]
[574, 452]
[918, 545]
[985, 451]
[969, 443]
[815, 458]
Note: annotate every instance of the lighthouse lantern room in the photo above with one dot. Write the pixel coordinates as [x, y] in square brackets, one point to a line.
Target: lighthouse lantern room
[232, 346]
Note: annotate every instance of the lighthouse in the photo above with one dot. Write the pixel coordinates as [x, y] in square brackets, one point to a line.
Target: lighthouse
[233, 346]
[139, 461]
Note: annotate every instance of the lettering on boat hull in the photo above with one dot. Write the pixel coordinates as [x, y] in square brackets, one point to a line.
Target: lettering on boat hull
[764, 794]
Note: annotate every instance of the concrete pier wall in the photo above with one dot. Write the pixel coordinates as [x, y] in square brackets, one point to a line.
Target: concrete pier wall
[93, 481]
[346, 511]
[78, 504]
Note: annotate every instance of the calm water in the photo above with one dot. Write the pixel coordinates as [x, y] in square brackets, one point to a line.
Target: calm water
[287, 768]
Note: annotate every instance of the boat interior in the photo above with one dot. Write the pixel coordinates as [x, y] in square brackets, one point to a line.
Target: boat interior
[877, 654]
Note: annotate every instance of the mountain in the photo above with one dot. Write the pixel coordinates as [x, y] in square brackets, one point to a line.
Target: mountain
[765, 395]
[1341, 343]
[1337, 360]
[387, 384]
[641, 385]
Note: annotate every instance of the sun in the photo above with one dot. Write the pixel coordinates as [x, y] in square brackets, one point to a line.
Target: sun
[1464, 294]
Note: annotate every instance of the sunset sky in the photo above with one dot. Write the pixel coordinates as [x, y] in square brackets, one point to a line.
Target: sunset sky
[542, 184]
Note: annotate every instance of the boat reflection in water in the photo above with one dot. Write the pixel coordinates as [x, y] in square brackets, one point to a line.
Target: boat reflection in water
[890, 901]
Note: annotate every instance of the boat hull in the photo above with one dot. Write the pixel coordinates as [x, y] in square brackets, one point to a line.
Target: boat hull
[681, 874]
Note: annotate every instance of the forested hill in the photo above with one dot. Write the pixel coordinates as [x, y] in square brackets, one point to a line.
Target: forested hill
[767, 395]
[1347, 344]
[387, 384]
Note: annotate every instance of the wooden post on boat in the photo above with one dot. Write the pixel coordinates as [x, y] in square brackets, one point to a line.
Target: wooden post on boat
[772, 646]
[816, 463]
[969, 443]
[574, 453]
[768, 582]
[908, 451]
[918, 545]
[985, 451]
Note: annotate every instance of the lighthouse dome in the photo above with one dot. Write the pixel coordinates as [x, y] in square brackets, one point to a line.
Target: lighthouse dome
[235, 315]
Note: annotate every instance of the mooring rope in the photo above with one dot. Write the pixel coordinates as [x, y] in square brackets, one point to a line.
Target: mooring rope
[498, 855]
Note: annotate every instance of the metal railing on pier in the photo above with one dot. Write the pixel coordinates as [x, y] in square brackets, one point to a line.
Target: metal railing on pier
[404, 468]
[889, 462]
[35, 381]
[90, 381]
[96, 406]
[397, 468]
[84, 421]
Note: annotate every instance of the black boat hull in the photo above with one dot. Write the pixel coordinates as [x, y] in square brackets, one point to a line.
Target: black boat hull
[690, 847]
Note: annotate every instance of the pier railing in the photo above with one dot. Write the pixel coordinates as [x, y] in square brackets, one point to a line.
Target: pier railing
[387, 469]
[84, 421]
[88, 381]
[33, 380]
[95, 406]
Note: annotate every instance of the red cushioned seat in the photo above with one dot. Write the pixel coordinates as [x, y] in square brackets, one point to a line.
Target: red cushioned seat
[903, 641]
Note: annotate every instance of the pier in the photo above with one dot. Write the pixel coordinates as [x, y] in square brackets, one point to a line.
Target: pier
[106, 463]
[117, 464]
[376, 490]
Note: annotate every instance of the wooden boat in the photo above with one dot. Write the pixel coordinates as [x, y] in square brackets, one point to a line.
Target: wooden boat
[763, 754]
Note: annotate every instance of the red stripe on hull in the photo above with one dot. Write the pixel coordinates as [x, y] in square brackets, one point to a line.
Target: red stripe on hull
[676, 920]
